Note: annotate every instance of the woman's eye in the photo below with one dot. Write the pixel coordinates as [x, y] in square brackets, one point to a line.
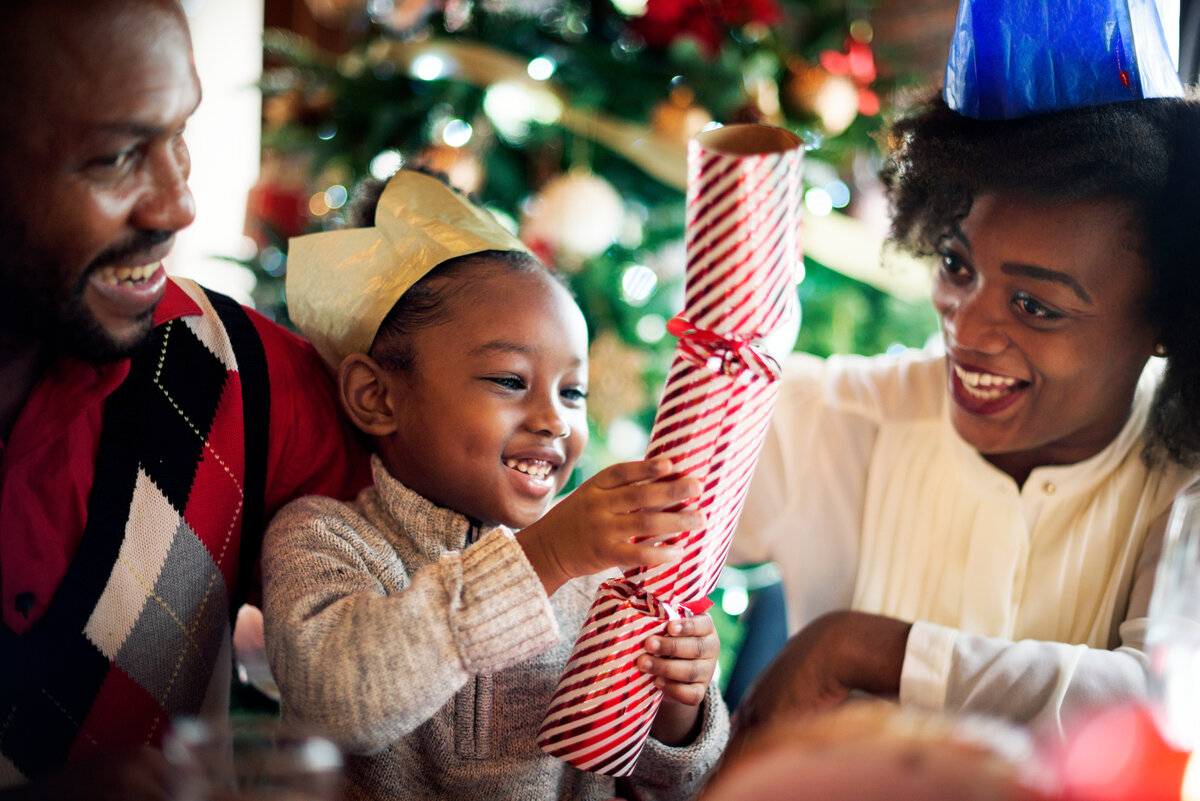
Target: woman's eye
[952, 266]
[1034, 308]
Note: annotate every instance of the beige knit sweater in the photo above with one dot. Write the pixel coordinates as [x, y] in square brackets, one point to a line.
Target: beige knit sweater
[432, 663]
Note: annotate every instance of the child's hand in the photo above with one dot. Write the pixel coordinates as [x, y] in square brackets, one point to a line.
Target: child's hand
[683, 663]
[594, 527]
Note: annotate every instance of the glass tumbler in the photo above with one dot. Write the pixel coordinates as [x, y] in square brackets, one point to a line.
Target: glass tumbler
[1173, 638]
[251, 759]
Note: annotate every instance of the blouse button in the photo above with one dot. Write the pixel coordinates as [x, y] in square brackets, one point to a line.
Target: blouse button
[1049, 488]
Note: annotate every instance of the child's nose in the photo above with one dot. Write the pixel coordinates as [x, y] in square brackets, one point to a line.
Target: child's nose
[548, 419]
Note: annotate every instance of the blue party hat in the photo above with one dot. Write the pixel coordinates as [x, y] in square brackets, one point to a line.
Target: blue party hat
[1013, 58]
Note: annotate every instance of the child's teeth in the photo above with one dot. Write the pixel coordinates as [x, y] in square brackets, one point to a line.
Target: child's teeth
[537, 469]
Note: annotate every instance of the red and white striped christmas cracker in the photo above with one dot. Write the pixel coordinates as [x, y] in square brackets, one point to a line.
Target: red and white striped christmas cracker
[743, 212]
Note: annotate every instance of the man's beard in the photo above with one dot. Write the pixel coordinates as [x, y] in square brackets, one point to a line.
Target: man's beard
[34, 308]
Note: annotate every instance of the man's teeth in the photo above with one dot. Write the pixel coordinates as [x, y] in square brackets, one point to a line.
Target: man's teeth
[985, 386]
[536, 468]
[115, 275]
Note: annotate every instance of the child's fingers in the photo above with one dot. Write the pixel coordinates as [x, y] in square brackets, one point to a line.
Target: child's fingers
[690, 694]
[706, 647]
[657, 494]
[619, 475]
[694, 626]
[654, 526]
[632, 554]
[677, 671]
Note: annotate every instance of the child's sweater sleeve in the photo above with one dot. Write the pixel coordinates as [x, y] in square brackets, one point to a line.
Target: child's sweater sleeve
[368, 663]
[677, 773]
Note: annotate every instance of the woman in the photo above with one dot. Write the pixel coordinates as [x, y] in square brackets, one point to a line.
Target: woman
[987, 519]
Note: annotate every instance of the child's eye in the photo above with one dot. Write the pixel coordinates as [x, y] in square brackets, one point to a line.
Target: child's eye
[1033, 308]
[511, 382]
[574, 394]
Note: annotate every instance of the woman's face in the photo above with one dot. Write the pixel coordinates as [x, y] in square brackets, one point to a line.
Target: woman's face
[1042, 310]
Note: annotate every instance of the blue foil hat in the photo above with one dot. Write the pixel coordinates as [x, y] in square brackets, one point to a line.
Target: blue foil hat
[1014, 58]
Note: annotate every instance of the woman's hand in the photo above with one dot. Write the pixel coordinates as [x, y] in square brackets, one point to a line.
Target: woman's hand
[820, 665]
[683, 661]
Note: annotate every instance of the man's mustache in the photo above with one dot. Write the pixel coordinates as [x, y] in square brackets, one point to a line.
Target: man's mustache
[142, 242]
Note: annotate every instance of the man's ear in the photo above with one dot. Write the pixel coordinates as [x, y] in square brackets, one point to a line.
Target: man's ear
[368, 395]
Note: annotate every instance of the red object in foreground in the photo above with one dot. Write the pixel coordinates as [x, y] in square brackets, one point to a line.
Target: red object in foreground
[743, 253]
[1120, 755]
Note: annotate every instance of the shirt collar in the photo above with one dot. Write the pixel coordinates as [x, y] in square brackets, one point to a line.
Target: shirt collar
[175, 304]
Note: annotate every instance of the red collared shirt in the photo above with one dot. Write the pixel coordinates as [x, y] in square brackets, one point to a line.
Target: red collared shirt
[48, 463]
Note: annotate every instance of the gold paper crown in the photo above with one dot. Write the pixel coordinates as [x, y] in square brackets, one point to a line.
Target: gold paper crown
[342, 284]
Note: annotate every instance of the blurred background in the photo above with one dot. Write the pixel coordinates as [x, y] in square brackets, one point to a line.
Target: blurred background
[569, 120]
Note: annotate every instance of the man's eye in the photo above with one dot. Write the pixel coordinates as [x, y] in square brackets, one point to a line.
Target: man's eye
[114, 161]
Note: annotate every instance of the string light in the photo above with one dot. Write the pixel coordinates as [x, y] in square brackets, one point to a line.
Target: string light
[541, 68]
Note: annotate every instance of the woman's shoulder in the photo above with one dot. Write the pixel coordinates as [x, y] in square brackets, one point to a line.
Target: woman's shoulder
[907, 384]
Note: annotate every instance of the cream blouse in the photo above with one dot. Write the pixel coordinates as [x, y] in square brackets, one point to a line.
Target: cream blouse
[1028, 601]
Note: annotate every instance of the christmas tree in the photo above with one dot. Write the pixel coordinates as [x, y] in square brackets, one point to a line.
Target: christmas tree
[569, 120]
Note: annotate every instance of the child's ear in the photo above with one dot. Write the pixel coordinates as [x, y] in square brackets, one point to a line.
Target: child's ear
[367, 395]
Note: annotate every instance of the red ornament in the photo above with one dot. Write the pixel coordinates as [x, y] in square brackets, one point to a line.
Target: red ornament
[706, 21]
[858, 64]
[1120, 755]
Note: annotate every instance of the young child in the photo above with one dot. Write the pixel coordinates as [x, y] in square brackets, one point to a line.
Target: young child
[413, 625]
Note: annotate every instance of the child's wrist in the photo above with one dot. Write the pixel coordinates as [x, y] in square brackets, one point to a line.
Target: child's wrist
[542, 562]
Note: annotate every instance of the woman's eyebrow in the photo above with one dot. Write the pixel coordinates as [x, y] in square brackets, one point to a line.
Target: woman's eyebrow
[1045, 274]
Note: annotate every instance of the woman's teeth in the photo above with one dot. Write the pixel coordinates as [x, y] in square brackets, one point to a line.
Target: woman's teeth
[117, 275]
[985, 386]
[535, 468]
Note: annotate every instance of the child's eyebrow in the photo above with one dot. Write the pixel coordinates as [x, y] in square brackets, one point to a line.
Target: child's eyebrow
[500, 346]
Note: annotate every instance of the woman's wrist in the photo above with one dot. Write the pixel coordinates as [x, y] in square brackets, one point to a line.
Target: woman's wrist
[869, 651]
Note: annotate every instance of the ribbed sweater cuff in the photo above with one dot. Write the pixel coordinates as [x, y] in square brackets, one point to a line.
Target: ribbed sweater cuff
[505, 616]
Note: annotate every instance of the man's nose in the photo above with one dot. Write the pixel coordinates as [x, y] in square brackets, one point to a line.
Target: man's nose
[167, 202]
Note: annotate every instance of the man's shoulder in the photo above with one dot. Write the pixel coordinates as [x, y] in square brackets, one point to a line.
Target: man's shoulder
[286, 352]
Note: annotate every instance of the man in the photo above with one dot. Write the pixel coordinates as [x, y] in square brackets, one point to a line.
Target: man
[145, 423]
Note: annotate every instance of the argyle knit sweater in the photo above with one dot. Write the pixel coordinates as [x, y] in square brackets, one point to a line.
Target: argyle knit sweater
[139, 629]
[431, 658]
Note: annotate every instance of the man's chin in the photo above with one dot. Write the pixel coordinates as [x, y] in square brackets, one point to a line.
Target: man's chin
[87, 339]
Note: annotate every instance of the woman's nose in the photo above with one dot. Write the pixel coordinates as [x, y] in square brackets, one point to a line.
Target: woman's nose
[976, 322]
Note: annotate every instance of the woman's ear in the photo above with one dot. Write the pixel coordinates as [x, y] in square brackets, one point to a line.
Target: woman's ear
[368, 395]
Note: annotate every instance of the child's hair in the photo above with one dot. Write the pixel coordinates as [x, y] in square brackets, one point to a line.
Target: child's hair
[1145, 153]
[423, 303]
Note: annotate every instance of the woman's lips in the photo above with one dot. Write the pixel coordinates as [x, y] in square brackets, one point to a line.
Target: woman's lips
[981, 392]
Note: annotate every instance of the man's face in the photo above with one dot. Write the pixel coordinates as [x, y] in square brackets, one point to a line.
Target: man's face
[93, 171]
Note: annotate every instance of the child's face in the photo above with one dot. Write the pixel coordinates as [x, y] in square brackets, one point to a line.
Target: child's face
[492, 416]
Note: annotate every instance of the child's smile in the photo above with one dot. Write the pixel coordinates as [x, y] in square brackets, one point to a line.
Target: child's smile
[492, 417]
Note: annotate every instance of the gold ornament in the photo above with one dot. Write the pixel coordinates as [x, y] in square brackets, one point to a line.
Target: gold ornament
[678, 118]
[616, 387]
[459, 164]
[815, 91]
